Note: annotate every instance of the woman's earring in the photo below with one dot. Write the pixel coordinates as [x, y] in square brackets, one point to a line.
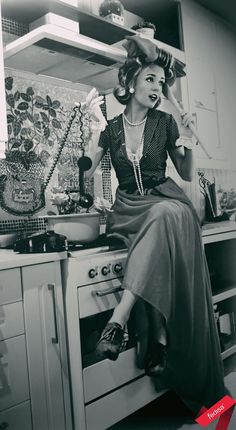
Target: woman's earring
[131, 90]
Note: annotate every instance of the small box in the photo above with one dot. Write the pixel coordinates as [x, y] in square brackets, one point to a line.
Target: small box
[117, 19]
[54, 19]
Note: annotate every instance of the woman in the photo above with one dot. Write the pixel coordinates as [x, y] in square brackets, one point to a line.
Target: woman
[166, 267]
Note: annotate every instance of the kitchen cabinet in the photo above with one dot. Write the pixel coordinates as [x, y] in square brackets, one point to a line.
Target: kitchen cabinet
[200, 46]
[220, 250]
[208, 127]
[14, 380]
[46, 348]
[210, 60]
[34, 381]
[226, 89]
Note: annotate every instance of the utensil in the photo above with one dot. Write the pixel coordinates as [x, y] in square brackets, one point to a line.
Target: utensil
[170, 96]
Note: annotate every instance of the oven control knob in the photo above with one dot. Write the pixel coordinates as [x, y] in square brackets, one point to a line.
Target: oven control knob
[92, 273]
[117, 268]
[105, 270]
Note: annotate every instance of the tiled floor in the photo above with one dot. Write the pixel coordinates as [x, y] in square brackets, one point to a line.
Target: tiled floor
[169, 413]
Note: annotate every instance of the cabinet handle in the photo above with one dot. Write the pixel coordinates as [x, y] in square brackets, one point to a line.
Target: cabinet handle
[51, 288]
[107, 291]
[198, 103]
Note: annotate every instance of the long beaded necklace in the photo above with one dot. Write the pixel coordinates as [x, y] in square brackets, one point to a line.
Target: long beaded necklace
[135, 157]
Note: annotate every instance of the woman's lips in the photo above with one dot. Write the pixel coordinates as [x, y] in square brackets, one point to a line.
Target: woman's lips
[153, 97]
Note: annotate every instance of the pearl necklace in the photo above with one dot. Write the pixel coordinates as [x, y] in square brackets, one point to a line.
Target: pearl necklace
[133, 124]
[135, 158]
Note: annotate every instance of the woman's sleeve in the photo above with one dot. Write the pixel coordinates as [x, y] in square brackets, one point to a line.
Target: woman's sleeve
[172, 133]
[104, 139]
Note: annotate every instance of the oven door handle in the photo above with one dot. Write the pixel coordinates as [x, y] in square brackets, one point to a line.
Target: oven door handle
[111, 290]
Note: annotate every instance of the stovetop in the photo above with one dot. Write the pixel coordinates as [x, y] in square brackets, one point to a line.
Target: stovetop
[101, 244]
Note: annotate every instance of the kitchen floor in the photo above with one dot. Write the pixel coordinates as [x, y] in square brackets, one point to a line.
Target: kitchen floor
[169, 413]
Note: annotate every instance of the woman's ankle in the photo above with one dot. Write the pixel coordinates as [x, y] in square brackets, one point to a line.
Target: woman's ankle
[119, 318]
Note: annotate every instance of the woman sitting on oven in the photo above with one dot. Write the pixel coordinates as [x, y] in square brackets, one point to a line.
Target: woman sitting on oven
[166, 265]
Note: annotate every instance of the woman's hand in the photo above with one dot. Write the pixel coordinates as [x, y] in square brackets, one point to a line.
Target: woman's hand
[102, 205]
[187, 119]
[92, 107]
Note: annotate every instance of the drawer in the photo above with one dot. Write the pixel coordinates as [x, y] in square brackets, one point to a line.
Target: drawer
[10, 286]
[14, 386]
[108, 375]
[16, 418]
[11, 320]
[91, 301]
[117, 405]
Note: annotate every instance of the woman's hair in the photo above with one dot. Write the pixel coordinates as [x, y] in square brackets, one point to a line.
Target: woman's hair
[129, 72]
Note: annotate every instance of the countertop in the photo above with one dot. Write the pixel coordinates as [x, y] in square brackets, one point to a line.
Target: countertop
[212, 232]
[10, 259]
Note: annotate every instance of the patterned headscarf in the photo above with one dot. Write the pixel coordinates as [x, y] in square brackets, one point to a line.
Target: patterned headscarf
[145, 51]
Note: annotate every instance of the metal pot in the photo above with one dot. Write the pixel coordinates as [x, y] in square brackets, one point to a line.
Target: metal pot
[82, 227]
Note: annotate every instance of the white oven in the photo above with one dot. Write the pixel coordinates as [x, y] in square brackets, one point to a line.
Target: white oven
[103, 391]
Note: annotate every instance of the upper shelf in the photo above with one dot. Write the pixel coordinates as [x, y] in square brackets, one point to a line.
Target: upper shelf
[91, 56]
[51, 50]
[91, 25]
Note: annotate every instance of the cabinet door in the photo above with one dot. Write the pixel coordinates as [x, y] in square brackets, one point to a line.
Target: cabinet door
[16, 418]
[207, 126]
[14, 385]
[45, 334]
[202, 87]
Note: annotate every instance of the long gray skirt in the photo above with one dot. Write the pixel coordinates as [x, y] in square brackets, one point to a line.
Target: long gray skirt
[166, 268]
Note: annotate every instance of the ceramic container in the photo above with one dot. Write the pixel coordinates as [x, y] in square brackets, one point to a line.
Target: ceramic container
[83, 228]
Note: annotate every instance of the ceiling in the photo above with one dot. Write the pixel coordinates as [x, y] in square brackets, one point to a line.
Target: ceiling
[226, 9]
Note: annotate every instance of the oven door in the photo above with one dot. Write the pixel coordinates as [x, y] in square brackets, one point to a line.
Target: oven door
[96, 303]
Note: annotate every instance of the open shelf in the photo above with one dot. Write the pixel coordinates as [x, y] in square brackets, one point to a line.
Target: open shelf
[91, 25]
[224, 294]
[228, 352]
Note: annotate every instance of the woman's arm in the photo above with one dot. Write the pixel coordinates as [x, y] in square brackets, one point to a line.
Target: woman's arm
[94, 152]
[182, 155]
[183, 160]
[97, 125]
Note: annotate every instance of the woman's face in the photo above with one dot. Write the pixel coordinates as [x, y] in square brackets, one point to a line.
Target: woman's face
[148, 86]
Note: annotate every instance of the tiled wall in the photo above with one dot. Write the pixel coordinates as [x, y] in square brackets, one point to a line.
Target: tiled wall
[14, 27]
[66, 95]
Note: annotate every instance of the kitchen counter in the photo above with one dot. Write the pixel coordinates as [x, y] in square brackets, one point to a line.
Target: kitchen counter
[218, 231]
[10, 259]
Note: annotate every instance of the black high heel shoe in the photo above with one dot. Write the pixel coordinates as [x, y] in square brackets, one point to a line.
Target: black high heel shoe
[111, 342]
[156, 360]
